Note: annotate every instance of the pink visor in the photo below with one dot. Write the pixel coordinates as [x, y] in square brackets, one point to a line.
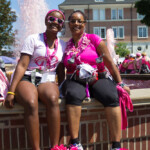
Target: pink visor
[55, 10]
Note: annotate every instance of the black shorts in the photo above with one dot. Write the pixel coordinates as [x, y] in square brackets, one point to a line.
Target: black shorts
[28, 78]
[104, 90]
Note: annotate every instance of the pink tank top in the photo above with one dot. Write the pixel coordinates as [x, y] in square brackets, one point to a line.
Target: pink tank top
[85, 52]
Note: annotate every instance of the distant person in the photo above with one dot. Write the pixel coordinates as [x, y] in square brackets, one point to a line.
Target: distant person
[145, 68]
[130, 64]
[138, 63]
[123, 65]
[34, 79]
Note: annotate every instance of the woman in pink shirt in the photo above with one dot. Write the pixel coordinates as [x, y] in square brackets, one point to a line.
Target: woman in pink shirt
[138, 63]
[90, 50]
[130, 64]
[145, 68]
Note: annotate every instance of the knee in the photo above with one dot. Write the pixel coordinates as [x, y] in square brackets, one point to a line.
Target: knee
[31, 105]
[52, 100]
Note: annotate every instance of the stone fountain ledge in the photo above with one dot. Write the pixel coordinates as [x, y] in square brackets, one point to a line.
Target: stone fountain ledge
[139, 97]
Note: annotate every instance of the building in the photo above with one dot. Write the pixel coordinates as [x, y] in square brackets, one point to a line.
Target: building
[120, 15]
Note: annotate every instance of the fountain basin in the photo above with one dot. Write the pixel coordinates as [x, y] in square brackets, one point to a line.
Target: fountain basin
[136, 81]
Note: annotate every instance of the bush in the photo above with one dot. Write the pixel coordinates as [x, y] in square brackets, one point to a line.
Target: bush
[121, 49]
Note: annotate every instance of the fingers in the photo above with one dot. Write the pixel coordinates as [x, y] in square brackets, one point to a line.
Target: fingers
[127, 89]
[9, 101]
[8, 104]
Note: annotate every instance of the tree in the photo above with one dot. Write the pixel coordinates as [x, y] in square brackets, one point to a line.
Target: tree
[143, 8]
[121, 49]
[7, 17]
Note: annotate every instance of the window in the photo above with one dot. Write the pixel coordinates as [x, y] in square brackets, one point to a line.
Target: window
[103, 32]
[116, 14]
[98, 14]
[96, 31]
[95, 14]
[115, 32]
[120, 13]
[140, 16]
[121, 32]
[100, 31]
[142, 32]
[118, 32]
[102, 14]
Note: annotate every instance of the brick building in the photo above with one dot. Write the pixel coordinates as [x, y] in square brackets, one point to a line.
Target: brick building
[120, 15]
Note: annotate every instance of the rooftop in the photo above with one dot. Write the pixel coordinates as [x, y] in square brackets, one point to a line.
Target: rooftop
[93, 2]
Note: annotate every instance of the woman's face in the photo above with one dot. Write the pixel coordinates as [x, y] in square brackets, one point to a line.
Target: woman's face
[54, 22]
[77, 24]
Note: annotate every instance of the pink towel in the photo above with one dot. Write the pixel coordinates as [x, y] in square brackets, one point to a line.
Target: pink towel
[4, 84]
[125, 101]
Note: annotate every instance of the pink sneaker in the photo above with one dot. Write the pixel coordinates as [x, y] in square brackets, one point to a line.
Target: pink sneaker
[61, 147]
[76, 147]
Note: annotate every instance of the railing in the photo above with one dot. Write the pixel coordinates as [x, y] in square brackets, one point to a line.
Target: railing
[94, 133]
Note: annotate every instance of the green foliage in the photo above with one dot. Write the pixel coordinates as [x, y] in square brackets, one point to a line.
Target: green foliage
[121, 49]
[7, 53]
[143, 8]
[7, 17]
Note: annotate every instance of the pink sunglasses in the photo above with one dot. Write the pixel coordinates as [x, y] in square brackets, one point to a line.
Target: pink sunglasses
[52, 19]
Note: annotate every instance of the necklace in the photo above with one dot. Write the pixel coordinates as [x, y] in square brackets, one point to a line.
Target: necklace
[48, 55]
[75, 52]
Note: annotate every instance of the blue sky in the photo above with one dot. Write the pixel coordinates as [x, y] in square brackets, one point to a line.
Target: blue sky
[52, 4]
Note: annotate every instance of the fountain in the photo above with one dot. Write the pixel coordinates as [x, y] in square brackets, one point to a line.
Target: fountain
[94, 132]
[31, 20]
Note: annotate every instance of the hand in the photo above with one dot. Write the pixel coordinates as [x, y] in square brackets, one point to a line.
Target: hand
[127, 89]
[9, 101]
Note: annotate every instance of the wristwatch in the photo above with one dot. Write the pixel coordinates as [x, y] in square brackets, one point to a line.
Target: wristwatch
[121, 84]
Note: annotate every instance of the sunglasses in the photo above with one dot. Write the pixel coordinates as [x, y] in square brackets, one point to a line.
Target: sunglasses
[52, 19]
[73, 21]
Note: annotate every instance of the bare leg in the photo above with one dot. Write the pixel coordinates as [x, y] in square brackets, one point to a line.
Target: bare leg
[113, 115]
[49, 95]
[27, 96]
[73, 115]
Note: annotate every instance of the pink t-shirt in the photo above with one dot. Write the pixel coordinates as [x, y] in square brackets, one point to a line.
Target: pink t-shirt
[85, 52]
[131, 65]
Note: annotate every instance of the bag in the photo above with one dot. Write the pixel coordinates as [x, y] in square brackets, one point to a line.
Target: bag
[4, 84]
[85, 73]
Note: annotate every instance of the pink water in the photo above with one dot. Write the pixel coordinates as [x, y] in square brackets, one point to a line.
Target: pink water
[137, 84]
[31, 20]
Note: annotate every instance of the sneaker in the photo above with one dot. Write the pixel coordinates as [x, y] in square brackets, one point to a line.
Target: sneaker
[76, 147]
[61, 147]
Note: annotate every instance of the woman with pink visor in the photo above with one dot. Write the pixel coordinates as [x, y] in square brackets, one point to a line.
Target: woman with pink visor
[34, 79]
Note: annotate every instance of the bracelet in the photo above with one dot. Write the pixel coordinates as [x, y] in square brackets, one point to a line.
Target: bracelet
[11, 93]
[121, 84]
